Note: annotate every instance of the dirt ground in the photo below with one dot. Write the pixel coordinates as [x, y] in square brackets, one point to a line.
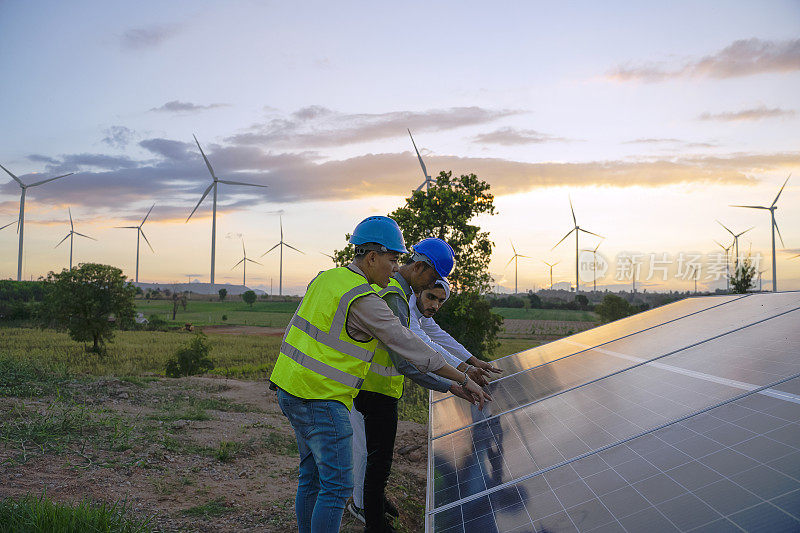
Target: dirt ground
[543, 329]
[196, 454]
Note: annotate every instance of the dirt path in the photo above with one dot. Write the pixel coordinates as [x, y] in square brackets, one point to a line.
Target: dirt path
[197, 454]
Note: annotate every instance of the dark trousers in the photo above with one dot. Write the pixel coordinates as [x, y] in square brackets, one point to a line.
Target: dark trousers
[380, 427]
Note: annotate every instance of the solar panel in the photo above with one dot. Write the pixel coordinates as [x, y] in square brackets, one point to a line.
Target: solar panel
[522, 361]
[585, 412]
[715, 471]
[591, 363]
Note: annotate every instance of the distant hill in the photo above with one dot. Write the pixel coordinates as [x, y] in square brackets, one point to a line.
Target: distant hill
[199, 288]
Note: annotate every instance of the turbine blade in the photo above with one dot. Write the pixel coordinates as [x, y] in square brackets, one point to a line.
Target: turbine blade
[62, 240]
[147, 215]
[12, 175]
[126, 227]
[512, 247]
[780, 191]
[726, 228]
[779, 233]
[280, 221]
[82, 235]
[237, 264]
[208, 164]
[323, 253]
[421, 186]
[293, 248]
[598, 246]
[71, 226]
[256, 262]
[509, 261]
[243, 252]
[575, 220]
[50, 179]
[200, 202]
[7, 225]
[590, 233]
[745, 231]
[268, 251]
[240, 183]
[421, 163]
[562, 239]
[145, 240]
[751, 206]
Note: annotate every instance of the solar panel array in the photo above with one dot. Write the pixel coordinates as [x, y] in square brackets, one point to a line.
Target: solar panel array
[683, 418]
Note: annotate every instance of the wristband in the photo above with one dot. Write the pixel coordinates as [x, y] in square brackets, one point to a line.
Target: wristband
[466, 380]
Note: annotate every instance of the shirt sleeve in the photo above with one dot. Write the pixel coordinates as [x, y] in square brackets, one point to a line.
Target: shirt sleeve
[444, 339]
[417, 329]
[371, 315]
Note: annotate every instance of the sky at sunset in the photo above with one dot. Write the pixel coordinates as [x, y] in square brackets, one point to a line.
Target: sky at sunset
[652, 117]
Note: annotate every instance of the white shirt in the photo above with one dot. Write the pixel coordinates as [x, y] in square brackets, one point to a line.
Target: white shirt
[438, 339]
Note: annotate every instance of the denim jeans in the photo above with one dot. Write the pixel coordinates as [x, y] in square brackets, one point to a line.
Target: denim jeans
[324, 440]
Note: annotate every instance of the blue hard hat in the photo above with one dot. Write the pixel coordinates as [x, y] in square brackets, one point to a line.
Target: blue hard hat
[441, 255]
[379, 230]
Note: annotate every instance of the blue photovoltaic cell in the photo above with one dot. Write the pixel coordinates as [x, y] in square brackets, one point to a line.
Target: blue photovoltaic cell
[731, 468]
[559, 428]
[602, 334]
[541, 381]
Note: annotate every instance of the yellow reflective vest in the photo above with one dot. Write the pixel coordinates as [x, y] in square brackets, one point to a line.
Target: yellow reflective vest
[318, 359]
[383, 377]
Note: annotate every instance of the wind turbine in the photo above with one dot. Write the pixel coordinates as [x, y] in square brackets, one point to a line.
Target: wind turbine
[735, 240]
[727, 264]
[71, 236]
[428, 180]
[140, 232]
[281, 244]
[213, 185]
[577, 229]
[759, 277]
[243, 262]
[21, 220]
[551, 271]
[7, 225]
[516, 261]
[594, 264]
[774, 227]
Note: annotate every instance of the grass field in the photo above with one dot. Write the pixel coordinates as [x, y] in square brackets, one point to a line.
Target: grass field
[546, 314]
[203, 313]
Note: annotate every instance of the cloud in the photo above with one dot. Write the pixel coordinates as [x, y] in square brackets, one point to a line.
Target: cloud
[117, 136]
[671, 141]
[147, 37]
[511, 137]
[175, 176]
[746, 57]
[176, 106]
[317, 126]
[757, 113]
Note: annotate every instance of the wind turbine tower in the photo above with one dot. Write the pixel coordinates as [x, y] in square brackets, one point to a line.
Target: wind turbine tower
[71, 236]
[21, 220]
[515, 259]
[243, 262]
[215, 181]
[594, 265]
[140, 233]
[551, 271]
[727, 265]
[281, 244]
[428, 180]
[577, 229]
[773, 227]
[735, 241]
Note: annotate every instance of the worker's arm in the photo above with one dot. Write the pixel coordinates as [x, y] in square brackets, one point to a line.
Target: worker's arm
[372, 315]
[455, 348]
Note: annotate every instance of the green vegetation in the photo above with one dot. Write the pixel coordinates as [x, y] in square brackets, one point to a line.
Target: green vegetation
[613, 308]
[546, 314]
[249, 297]
[39, 515]
[191, 359]
[743, 276]
[216, 507]
[138, 353]
[203, 312]
[227, 450]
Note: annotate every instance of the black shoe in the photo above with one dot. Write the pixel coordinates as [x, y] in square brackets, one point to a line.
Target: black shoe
[389, 508]
[357, 512]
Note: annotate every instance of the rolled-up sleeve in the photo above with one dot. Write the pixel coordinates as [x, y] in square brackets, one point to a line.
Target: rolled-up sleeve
[371, 314]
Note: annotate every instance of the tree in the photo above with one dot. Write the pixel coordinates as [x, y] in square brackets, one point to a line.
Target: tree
[582, 300]
[468, 317]
[191, 359]
[249, 297]
[743, 275]
[222, 294]
[90, 301]
[613, 308]
[535, 301]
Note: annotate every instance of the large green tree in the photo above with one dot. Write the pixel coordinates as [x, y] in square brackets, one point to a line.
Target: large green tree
[90, 301]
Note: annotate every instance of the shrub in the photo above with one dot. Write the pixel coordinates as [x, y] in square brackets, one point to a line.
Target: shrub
[156, 323]
[613, 308]
[192, 359]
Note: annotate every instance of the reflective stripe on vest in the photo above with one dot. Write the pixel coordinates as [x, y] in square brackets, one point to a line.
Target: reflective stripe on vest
[383, 377]
[318, 359]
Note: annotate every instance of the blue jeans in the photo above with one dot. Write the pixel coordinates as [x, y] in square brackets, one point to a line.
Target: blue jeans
[324, 440]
